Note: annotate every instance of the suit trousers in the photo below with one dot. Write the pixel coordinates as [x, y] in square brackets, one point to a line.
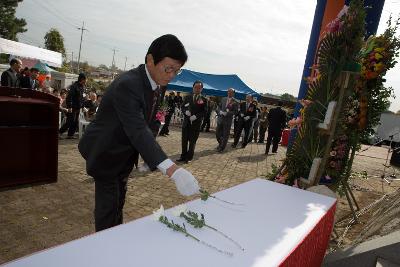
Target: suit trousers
[246, 125]
[190, 134]
[164, 129]
[223, 131]
[274, 136]
[262, 134]
[109, 200]
[206, 122]
[71, 123]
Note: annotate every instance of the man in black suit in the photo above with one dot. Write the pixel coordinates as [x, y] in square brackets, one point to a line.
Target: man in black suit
[30, 81]
[225, 110]
[194, 108]
[120, 131]
[276, 124]
[247, 111]
[11, 76]
[74, 102]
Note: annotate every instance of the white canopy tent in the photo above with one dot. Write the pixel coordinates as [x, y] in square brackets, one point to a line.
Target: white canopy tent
[28, 51]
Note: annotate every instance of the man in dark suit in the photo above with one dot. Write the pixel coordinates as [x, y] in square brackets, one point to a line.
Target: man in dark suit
[11, 76]
[30, 81]
[194, 108]
[247, 111]
[74, 102]
[276, 124]
[225, 110]
[120, 131]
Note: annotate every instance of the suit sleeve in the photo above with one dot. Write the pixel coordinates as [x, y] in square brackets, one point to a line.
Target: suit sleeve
[70, 96]
[184, 107]
[5, 79]
[129, 104]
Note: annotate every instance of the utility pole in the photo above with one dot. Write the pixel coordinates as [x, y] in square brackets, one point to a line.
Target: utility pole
[72, 60]
[113, 63]
[80, 45]
[126, 59]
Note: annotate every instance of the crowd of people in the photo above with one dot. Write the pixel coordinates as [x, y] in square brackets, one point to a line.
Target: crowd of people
[125, 123]
[251, 121]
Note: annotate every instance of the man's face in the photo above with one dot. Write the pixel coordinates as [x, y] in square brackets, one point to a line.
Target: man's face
[17, 66]
[34, 74]
[197, 88]
[164, 71]
[249, 98]
[83, 82]
[231, 93]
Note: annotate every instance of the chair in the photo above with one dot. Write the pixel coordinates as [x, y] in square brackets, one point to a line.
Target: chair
[82, 123]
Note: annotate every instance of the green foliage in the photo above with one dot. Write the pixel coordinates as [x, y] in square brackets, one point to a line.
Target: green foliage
[336, 51]
[10, 26]
[288, 97]
[273, 173]
[176, 227]
[193, 219]
[54, 41]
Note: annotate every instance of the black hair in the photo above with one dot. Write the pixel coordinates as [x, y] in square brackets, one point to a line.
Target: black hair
[81, 77]
[197, 81]
[14, 60]
[167, 45]
[280, 103]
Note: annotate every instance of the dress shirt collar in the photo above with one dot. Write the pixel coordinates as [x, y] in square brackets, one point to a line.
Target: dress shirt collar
[152, 82]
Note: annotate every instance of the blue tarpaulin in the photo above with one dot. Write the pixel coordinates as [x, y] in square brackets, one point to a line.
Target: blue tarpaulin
[213, 84]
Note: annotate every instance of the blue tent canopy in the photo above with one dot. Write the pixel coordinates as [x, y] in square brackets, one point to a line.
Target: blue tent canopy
[214, 85]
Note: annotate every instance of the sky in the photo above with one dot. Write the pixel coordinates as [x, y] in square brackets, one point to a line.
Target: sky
[264, 42]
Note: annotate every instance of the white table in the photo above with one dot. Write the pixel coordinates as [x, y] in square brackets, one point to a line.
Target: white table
[273, 222]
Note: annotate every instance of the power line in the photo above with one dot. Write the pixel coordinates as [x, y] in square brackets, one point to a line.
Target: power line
[54, 14]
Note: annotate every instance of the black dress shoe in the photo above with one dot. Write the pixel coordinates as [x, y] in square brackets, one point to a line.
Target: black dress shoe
[243, 146]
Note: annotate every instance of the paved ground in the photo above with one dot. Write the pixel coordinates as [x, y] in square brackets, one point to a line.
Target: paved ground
[33, 218]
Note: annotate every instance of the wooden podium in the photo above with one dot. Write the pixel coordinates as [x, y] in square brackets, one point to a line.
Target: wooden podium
[28, 136]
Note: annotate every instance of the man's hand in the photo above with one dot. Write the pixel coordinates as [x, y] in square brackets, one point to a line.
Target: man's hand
[246, 118]
[185, 182]
[187, 113]
[223, 113]
[241, 115]
[70, 110]
[193, 118]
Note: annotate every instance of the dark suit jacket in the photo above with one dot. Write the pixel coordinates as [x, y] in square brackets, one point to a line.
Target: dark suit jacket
[199, 109]
[230, 110]
[120, 129]
[75, 96]
[277, 119]
[9, 78]
[251, 111]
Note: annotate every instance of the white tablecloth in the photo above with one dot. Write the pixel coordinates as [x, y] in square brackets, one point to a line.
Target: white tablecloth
[271, 224]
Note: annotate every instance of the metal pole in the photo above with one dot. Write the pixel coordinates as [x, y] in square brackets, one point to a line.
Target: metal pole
[80, 44]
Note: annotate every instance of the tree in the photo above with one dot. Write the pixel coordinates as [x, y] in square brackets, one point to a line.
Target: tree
[10, 26]
[288, 97]
[54, 41]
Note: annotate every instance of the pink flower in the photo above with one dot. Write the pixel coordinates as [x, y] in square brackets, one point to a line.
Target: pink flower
[280, 179]
[160, 116]
[305, 102]
[295, 122]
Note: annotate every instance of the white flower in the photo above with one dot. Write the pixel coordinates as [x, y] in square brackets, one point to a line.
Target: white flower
[179, 209]
[158, 213]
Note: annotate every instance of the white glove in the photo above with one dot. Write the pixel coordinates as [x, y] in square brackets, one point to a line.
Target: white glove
[223, 113]
[246, 118]
[144, 168]
[185, 182]
[193, 118]
[241, 115]
[187, 112]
